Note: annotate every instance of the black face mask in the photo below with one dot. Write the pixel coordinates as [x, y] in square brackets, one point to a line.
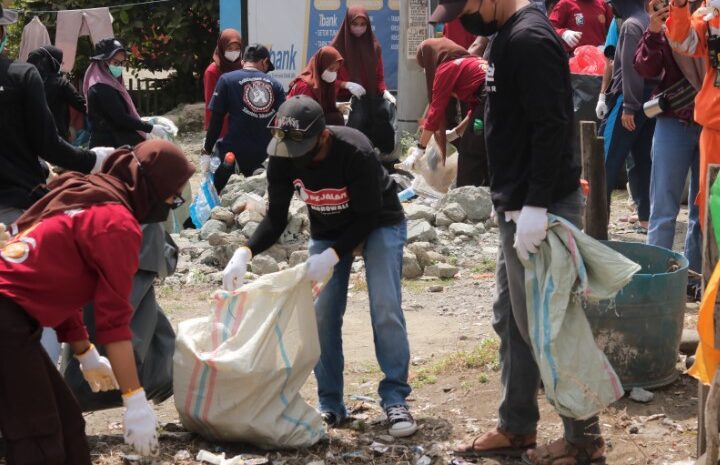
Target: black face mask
[475, 24]
[157, 214]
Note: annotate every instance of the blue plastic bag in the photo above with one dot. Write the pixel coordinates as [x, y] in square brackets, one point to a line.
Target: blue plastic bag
[206, 199]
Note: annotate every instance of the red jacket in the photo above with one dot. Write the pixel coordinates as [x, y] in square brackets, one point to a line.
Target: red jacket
[210, 79]
[463, 77]
[455, 31]
[67, 261]
[344, 75]
[591, 17]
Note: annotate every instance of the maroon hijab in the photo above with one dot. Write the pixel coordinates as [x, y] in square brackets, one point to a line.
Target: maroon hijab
[312, 76]
[164, 172]
[227, 37]
[360, 53]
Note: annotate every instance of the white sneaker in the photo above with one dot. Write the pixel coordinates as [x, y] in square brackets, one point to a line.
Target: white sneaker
[401, 422]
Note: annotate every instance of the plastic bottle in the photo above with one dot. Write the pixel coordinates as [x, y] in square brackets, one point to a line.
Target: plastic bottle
[407, 194]
[214, 164]
[478, 126]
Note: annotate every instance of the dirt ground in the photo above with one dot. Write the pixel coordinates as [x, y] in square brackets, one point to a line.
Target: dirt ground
[454, 375]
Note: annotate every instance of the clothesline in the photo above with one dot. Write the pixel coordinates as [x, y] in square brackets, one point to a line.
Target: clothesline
[125, 5]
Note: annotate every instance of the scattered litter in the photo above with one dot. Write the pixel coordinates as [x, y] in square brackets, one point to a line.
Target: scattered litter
[387, 439]
[657, 416]
[214, 459]
[179, 436]
[363, 398]
[183, 455]
[459, 462]
[358, 454]
[379, 448]
[424, 460]
[317, 462]
[677, 426]
[641, 395]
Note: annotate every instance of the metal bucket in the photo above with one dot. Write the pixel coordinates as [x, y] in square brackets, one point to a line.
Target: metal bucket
[640, 330]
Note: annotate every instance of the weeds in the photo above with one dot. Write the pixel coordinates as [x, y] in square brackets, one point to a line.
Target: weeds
[484, 356]
[487, 265]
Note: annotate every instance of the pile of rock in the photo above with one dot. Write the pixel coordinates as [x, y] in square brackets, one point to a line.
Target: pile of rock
[435, 234]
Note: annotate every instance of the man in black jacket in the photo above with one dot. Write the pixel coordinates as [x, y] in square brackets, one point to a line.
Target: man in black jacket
[29, 134]
[528, 129]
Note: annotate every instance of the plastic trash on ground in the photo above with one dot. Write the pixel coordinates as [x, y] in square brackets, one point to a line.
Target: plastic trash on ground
[438, 177]
[169, 128]
[588, 60]
[206, 199]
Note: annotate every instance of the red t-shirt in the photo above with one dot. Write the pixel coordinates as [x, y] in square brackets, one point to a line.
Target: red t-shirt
[68, 260]
[455, 31]
[210, 79]
[302, 88]
[344, 75]
[591, 17]
[463, 77]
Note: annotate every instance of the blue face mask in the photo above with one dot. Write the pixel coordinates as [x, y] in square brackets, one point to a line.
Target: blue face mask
[116, 70]
[3, 43]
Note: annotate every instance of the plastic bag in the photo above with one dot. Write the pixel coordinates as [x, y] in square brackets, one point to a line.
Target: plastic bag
[203, 203]
[239, 371]
[588, 60]
[169, 128]
[430, 167]
[569, 267]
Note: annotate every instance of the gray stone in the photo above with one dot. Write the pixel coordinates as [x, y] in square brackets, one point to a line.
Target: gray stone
[207, 257]
[421, 230]
[411, 266]
[462, 229]
[689, 341]
[442, 271]
[277, 252]
[262, 264]
[298, 257]
[250, 228]
[480, 229]
[641, 395]
[283, 266]
[475, 201]
[421, 253]
[254, 184]
[218, 238]
[436, 257]
[248, 216]
[212, 226]
[415, 211]
[455, 212]
[442, 220]
[222, 255]
[436, 289]
[191, 234]
[223, 214]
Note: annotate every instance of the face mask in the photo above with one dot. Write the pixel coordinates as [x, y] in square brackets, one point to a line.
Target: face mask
[157, 214]
[329, 76]
[475, 24]
[232, 56]
[3, 42]
[358, 30]
[116, 70]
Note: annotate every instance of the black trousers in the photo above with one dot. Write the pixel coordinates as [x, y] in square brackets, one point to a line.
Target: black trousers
[472, 156]
[40, 419]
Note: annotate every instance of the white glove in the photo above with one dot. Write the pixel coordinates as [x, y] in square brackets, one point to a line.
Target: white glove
[356, 89]
[601, 109]
[512, 216]
[4, 235]
[321, 265]
[234, 272]
[572, 38]
[158, 131]
[389, 97]
[531, 231]
[452, 135]
[140, 424]
[205, 163]
[97, 371]
[413, 155]
[101, 154]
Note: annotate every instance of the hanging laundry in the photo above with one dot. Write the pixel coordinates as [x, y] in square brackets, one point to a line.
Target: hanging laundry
[34, 36]
[73, 24]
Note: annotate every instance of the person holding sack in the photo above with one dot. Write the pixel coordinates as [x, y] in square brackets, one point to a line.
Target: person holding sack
[353, 204]
[317, 81]
[93, 224]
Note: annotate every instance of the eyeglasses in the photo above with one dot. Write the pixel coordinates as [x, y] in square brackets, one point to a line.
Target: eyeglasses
[177, 201]
[118, 63]
[296, 135]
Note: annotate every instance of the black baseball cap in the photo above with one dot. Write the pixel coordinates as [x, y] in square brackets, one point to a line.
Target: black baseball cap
[296, 127]
[7, 17]
[447, 10]
[107, 48]
[258, 52]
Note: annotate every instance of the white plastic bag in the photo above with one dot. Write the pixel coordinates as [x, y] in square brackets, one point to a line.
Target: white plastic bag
[206, 199]
[239, 371]
[436, 175]
[170, 130]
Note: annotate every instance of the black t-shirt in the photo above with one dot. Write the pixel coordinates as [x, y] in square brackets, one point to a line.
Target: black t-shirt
[348, 194]
[529, 115]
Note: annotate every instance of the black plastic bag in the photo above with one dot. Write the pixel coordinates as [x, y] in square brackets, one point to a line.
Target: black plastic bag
[377, 119]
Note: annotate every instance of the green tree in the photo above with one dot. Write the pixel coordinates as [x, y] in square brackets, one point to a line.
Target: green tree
[177, 35]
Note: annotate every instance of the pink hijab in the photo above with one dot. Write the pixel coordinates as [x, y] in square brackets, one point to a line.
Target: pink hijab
[98, 73]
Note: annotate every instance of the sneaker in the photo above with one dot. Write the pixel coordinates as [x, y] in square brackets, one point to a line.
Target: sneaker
[401, 422]
[330, 419]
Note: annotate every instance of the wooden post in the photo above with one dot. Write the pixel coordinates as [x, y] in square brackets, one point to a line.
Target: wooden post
[593, 165]
[708, 405]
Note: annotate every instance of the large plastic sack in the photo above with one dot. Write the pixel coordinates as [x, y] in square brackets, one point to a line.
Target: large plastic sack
[206, 199]
[239, 371]
[170, 130]
[568, 269]
[430, 167]
[588, 59]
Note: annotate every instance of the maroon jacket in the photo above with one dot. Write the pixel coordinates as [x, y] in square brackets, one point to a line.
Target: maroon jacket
[654, 57]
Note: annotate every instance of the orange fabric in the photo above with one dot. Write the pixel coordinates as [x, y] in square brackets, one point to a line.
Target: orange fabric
[709, 154]
[707, 358]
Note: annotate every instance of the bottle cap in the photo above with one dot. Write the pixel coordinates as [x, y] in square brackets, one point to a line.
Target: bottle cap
[230, 158]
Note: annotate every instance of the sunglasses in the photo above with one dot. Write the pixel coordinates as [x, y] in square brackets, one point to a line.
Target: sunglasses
[296, 135]
[177, 200]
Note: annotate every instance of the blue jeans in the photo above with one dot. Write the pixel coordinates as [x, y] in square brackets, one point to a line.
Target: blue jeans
[675, 151]
[383, 255]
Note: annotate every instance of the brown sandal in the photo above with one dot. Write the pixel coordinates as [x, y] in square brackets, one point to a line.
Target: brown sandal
[592, 454]
[519, 443]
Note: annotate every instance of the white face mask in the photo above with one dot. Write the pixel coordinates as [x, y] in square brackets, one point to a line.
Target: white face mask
[232, 56]
[329, 76]
[358, 30]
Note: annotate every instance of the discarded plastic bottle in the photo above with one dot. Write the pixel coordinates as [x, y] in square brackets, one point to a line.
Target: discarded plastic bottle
[214, 164]
[478, 126]
[407, 194]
